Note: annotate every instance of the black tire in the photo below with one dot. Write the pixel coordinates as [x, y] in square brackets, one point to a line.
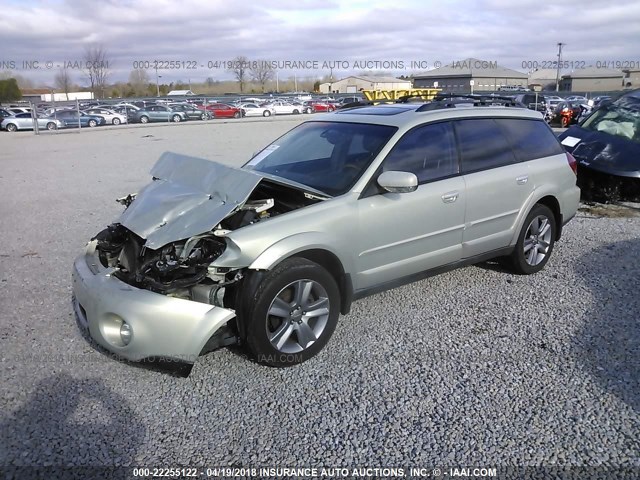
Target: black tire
[266, 113]
[280, 283]
[11, 127]
[51, 126]
[93, 123]
[237, 115]
[526, 263]
[204, 116]
[296, 112]
[144, 119]
[176, 119]
[116, 121]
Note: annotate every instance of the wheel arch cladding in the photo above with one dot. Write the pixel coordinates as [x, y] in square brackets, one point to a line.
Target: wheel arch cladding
[552, 203]
[332, 264]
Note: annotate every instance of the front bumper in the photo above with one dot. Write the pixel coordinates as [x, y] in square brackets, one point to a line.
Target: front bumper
[162, 326]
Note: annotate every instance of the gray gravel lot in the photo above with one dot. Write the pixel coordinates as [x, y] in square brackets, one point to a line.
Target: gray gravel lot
[473, 367]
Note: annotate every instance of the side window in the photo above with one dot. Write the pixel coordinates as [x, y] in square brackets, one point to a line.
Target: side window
[530, 139]
[483, 145]
[428, 151]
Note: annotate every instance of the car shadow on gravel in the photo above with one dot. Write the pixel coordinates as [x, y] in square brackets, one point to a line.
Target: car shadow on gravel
[68, 422]
[609, 344]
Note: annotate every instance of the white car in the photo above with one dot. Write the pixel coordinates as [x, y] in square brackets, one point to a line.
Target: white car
[253, 110]
[110, 116]
[285, 108]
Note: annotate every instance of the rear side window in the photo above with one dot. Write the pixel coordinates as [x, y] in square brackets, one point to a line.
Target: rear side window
[483, 145]
[530, 139]
[428, 151]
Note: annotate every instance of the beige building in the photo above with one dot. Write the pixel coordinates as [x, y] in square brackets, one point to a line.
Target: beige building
[543, 79]
[355, 84]
[463, 76]
[593, 79]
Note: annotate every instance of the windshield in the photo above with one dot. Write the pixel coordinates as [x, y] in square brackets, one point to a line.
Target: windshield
[326, 156]
[617, 121]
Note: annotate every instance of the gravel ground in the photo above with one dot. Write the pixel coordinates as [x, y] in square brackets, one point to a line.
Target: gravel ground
[473, 367]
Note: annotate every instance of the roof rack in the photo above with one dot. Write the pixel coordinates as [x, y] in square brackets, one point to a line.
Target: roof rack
[451, 100]
[442, 100]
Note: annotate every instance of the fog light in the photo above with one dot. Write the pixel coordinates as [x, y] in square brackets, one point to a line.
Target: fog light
[126, 333]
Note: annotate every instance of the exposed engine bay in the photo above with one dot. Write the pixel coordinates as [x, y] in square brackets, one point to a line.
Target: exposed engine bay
[182, 268]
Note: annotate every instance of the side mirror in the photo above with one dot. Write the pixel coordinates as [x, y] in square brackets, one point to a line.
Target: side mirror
[398, 182]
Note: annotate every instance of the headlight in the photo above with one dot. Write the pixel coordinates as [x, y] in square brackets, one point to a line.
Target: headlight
[126, 333]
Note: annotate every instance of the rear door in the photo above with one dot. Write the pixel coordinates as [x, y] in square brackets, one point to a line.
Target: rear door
[401, 234]
[496, 183]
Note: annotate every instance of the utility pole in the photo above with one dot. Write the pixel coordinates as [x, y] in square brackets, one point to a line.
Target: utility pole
[560, 45]
[157, 84]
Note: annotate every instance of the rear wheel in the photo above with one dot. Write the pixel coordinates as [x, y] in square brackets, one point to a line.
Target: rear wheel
[535, 242]
[11, 127]
[144, 119]
[292, 314]
[266, 113]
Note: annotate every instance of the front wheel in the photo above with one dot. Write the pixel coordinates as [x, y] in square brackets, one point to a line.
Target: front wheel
[176, 118]
[116, 121]
[144, 119]
[237, 115]
[51, 126]
[93, 123]
[204, 116]
[292, 313]
[535, 242]
[266, 113]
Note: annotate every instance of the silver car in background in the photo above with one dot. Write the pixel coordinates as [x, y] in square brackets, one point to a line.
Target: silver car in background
[111, 117]
[24, 121]
[341, 207]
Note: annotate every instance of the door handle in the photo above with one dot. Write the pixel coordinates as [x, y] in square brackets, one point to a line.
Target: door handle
[521, 180]
[450, 197]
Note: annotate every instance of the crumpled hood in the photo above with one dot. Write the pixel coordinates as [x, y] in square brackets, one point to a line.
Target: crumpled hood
[189, 196]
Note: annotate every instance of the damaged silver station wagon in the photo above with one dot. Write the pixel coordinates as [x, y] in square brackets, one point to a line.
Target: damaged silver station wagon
[342, 206]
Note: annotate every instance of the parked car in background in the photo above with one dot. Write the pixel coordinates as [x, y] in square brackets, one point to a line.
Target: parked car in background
[111, 117]
[190, 110]
[129, 106]
[533, 101]
[24, 121]
[254, 110]
[343, 101]
[307, 106]
[607, 148]
[577, 99]
[5, 113]
[322, 106]
[222, 110]
[16, 110]
[159, 113]
[281, 107]
[71, 118]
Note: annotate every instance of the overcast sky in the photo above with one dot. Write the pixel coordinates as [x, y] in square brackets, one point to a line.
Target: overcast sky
[202, 31]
